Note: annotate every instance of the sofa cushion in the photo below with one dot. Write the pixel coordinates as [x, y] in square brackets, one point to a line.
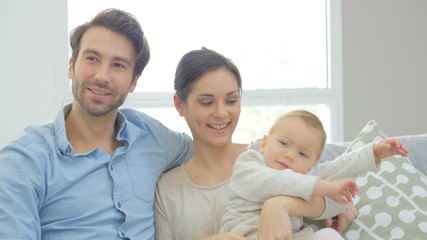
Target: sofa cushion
[417, 145]
[391, 201]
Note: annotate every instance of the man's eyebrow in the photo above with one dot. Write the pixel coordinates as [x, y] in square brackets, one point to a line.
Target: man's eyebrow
[121, 59]
[87, 51]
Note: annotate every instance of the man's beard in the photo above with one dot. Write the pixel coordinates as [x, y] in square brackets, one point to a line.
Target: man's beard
[94, 107]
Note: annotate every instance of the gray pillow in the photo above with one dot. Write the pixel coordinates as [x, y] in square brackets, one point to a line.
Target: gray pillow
[391, 201]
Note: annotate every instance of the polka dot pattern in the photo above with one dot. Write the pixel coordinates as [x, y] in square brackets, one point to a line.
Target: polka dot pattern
[392, 201]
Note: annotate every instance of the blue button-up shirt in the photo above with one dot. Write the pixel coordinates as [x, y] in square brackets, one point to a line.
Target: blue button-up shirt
[47, 191]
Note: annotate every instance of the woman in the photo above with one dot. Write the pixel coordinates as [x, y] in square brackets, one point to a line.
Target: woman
[190, 199]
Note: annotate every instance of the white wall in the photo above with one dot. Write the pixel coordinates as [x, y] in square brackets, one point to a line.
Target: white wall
[384, 59]
[33, 47]
[385, 65]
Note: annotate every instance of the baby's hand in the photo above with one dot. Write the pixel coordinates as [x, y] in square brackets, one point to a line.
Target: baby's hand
[342, 190]
[389, 147]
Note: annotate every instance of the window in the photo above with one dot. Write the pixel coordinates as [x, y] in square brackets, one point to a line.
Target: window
[282, 49]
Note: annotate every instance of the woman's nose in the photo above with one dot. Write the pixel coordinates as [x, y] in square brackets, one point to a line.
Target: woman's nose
[221, 110]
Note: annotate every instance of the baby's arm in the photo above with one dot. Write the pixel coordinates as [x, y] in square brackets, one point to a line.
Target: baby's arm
[254, 181]
[389, 147]
[340, 190]
[349, 164]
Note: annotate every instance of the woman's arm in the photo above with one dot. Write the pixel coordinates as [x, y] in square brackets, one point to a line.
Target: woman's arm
[225, 236]
[161, 223]
[274, 221]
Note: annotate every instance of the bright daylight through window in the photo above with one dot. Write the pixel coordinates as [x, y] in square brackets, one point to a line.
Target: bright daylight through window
[282, 49]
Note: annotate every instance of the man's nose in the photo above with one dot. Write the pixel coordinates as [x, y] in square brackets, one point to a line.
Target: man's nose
[102, 73]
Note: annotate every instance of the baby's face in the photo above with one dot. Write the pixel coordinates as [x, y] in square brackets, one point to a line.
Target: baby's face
[292, 145]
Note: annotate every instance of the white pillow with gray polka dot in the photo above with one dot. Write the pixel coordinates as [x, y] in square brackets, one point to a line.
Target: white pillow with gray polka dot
[392, 202]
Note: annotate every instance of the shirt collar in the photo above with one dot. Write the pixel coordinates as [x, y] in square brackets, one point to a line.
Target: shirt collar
[61, 139]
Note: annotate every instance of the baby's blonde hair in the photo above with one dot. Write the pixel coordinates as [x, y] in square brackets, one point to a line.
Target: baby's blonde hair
[310, 119]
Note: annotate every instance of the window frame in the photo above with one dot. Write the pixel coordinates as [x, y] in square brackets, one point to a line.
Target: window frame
[331, 96]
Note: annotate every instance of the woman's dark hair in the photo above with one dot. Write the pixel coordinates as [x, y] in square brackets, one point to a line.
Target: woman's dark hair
[196, 63]
[120, 22]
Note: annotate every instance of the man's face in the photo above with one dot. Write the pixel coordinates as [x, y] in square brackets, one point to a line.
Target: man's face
[102, 73]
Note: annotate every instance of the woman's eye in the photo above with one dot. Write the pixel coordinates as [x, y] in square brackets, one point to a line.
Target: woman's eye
[283, 143]
[231, 102]
[206, 103]
[118, 65]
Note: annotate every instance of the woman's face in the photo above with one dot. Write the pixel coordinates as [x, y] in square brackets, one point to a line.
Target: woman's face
[212, 109]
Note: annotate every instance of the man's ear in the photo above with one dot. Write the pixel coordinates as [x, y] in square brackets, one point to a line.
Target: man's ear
[70, 68]
[134, 83]
[178, 105]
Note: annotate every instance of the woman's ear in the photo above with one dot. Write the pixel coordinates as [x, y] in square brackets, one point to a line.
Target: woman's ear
[263, 142]
[178, 105]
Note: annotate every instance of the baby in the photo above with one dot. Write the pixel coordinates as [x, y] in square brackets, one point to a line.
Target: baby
[286, 165]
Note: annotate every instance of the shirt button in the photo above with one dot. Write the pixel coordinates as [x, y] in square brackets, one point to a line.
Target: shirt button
[111, 168]
[119, 205]
[123, 234]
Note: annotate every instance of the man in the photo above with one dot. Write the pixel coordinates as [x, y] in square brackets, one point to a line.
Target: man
[91, 174]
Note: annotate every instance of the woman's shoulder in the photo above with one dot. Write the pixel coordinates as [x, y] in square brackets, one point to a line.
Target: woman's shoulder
[255, 145]
[175, 176]
[241, 147]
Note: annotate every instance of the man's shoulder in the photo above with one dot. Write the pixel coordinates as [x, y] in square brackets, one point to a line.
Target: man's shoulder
[35, 134]
[138, 118]
[131, 112]
[34, 142]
